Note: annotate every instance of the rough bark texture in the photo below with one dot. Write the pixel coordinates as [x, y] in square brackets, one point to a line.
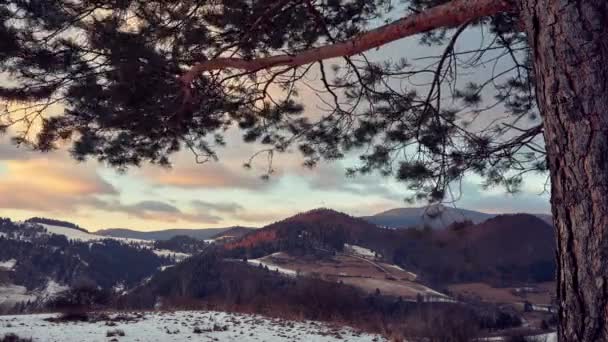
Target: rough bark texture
[570, 49]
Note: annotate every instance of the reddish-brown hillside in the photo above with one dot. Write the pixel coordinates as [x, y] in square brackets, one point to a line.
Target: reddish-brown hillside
[234, 233]
[318, 223]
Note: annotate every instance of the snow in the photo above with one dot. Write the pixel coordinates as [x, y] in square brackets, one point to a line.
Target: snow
[75, 234]
[70, 233]
[258, 262]
[7, 265]
[412, 275]
[51, 289]
[545, 308]
[549, 337]
[167, 253]
[179, 326]
[162, 268]
[13, 294]
[361, 251]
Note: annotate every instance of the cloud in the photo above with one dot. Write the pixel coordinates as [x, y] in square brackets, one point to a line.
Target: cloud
[262, 217]
[158, 211]
[9, 151]
[50, 185]
[208, 176]
[498, 201]
[220, 207]
[328, 177]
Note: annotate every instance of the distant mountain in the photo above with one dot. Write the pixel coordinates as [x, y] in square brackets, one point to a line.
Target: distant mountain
[435, 216]
[165, 234]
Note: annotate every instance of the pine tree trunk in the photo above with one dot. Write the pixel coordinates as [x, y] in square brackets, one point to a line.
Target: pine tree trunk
[569, 40]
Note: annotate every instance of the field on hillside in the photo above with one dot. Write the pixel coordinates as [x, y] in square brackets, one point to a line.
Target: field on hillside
[178, 326]
[539, 294]
[360, 272]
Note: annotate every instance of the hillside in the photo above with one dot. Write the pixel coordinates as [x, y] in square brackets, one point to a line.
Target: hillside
[233, 233]
[319, 228]
[39, 259]
[165, 234]
[503, 249]
[37, 263]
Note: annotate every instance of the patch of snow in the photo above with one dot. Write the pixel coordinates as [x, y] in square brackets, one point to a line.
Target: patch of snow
[258, 262]
[50, 290]
[179, 326]
[8, 265]
[549, 337]
[119, 288]
[13, 294]
[545, 308]
[361, 251]
[167, 253]
[162, 268]
[75, 234]
[414, 276]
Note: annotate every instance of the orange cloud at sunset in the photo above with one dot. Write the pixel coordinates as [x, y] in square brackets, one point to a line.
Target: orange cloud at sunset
[49, 184]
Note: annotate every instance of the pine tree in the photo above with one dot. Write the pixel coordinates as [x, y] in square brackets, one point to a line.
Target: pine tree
[141, 80]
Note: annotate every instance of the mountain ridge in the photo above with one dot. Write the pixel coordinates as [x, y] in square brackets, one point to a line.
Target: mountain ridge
[435, 216]
[164, 234]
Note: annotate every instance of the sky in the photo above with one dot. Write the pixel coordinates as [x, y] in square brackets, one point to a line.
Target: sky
[220, 194]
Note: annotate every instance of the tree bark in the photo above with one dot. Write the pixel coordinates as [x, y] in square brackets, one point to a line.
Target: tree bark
[569, 40]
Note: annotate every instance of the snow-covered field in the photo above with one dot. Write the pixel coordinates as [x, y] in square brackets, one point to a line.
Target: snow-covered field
[75, 234]
[12, 294]
[550, 337]
[360, 251]
[271, 267]
[8, 265]
[167, 253]
[180, 326]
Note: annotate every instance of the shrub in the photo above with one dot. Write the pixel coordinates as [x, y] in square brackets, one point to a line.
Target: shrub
[76, 302]
[115, 332]
[10, 337]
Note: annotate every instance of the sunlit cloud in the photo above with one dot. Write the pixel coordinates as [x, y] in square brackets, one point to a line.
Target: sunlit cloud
[208, 176]
[159, 211]
[50, 185]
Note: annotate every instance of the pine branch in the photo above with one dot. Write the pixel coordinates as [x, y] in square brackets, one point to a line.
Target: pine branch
[451, 14]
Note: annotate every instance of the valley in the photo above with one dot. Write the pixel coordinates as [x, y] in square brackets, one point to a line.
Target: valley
[319, 265]
[366, 274]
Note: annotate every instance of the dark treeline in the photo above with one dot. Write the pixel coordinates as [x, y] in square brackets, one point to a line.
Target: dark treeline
[182, 244]
[54, 222]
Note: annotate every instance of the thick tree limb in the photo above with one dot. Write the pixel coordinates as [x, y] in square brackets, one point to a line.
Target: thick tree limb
[451, 14]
